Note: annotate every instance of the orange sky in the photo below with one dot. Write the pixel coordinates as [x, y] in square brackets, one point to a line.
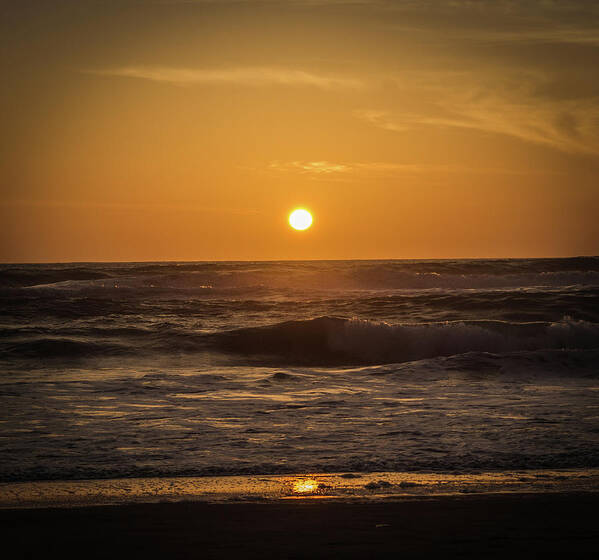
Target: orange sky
[172, 130]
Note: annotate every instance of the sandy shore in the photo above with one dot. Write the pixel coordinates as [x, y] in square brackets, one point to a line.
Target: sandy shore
[526, 514]
[350, 487]
[469, 526]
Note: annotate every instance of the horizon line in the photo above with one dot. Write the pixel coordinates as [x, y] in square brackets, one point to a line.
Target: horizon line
[3, 263]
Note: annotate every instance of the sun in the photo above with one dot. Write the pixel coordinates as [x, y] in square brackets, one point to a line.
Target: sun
[300, 219]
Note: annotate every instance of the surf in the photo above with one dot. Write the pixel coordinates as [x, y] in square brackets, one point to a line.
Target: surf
[342, 341]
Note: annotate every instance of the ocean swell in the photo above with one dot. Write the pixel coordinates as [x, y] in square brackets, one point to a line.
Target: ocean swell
[339, 341]
[319, 275]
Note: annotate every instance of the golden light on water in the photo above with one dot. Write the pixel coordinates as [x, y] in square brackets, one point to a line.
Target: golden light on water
[305, 486]
[300, 219]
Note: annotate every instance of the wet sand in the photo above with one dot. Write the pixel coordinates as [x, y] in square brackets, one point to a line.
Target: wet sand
[469, 526]
[331, 486]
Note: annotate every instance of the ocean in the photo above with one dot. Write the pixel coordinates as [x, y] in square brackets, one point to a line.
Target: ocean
[168, 369]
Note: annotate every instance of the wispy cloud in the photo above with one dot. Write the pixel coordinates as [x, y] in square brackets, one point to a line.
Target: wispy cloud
[355, 170]
[509, 105]
[381, 119]
[564, 34]
[310, 167]
[248, 76]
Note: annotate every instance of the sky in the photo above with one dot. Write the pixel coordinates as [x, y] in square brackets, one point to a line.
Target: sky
[188, 130]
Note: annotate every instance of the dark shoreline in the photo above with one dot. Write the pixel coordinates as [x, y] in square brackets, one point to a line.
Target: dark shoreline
[470, 526]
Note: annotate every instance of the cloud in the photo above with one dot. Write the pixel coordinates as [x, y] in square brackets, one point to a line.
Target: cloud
[510, 104]
[382, 119]
[247, 76]
[355, 170]
[576, 35]
[311, 167]
[534, 33]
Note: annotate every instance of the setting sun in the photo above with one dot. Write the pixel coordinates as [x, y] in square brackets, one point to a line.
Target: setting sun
[300, 219]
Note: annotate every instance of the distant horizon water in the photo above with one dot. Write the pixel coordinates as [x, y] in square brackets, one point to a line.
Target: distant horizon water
[275, 260]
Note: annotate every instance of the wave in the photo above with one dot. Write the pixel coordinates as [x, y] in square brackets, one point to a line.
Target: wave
[326, 341]
[256, 283]
[338, 341]
[52, 348]
[40, 275]
[80, 343]
[521, 363]
[448, 274]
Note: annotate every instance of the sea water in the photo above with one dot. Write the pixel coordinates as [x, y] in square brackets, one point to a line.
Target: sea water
[114, 370]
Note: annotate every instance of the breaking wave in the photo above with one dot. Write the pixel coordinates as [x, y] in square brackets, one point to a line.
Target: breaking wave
[339, 341]
[323, 341]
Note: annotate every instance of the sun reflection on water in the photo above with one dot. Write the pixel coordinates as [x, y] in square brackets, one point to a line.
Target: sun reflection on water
[305, 486]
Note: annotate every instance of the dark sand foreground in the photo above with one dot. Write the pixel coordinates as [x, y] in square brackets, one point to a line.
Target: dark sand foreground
[484, 526]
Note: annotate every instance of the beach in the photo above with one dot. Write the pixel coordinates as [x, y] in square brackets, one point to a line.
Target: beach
[529, 514]
[488, 526]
